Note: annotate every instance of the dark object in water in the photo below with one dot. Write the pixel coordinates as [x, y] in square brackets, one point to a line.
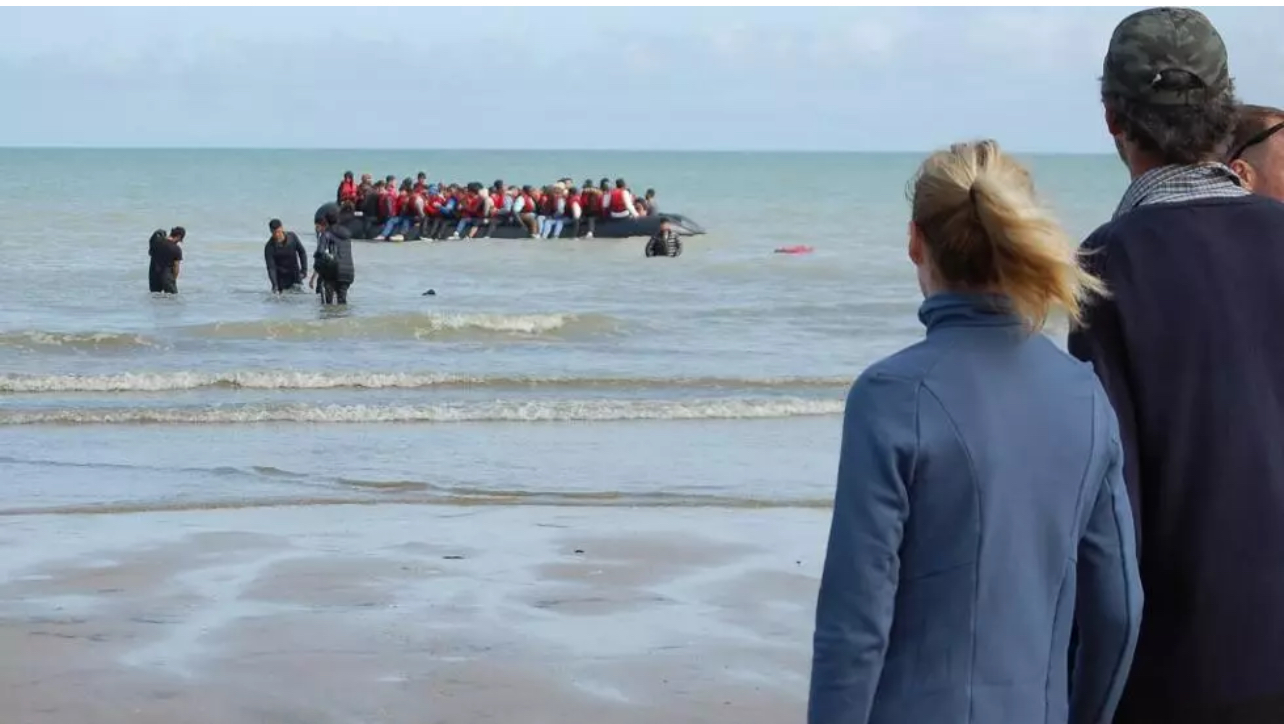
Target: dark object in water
[429, 293]
[364, 229]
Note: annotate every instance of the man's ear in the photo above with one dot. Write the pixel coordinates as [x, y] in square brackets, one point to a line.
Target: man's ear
[1245, 171]
[1112, 122]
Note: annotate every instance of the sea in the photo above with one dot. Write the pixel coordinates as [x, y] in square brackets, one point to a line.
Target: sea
[561, 372]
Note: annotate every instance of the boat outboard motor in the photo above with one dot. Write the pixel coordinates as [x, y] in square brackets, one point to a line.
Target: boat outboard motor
[683, 225]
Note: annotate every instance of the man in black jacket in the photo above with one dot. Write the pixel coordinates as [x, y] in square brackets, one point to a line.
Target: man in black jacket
[664, 242]
[332, 264]
[1188, 347]
[286, 259]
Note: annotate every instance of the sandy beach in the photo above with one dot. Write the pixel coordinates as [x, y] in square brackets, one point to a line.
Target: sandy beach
[409, 613]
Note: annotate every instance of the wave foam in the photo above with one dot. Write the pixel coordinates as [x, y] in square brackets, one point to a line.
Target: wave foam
[524, 411]
[412, 326]
[37, 339]
[289, 380]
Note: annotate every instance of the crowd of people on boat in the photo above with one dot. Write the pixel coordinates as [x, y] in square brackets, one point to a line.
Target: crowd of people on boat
[472, 210]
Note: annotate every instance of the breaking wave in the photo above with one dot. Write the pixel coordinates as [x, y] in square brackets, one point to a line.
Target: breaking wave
[500, 411]
[41, 340]
[415, 326]
[290, 380]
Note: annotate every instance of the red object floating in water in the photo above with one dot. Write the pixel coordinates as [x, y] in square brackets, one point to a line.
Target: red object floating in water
[800, 249]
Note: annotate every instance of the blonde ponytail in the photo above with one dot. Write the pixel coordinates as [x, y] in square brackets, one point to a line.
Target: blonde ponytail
[986, 231]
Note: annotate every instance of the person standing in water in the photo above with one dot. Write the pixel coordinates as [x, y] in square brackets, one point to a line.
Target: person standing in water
[166, 259]
[981, 511]
[155, 282]
[285, 257]
[664, 242]
[333, 270]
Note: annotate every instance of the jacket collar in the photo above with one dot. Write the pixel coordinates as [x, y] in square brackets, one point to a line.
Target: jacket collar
[955, 309]
[1177, 183]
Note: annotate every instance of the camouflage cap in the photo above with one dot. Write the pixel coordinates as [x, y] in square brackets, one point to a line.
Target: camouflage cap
[1149, 42]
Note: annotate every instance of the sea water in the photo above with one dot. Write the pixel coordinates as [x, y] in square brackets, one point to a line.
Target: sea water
[573, 372]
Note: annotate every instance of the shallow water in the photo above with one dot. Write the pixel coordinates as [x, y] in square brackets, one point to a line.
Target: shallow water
[577, 372]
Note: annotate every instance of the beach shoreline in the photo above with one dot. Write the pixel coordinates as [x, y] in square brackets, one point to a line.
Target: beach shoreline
[409, 613]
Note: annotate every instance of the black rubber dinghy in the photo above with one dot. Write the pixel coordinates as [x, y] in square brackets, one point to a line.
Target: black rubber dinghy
[364, 229]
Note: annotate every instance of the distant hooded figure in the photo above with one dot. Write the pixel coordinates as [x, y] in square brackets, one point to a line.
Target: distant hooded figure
[165, 255]
[333, 266]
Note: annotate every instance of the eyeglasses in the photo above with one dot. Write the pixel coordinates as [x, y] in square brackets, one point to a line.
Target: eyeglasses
[1256, 139]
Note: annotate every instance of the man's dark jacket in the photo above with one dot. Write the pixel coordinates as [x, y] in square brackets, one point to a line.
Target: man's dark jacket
[1190, 348]
[337, 240]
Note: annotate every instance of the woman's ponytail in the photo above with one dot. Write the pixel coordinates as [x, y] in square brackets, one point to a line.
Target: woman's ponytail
[985, 230]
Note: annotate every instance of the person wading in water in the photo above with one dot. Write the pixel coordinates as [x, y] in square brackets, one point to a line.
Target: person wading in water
[333, 270]
[285, 257]
[166, 258]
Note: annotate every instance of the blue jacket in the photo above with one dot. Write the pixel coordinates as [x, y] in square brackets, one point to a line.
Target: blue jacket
[980, 511]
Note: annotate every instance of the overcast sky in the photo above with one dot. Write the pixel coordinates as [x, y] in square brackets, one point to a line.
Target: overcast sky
[577, 78]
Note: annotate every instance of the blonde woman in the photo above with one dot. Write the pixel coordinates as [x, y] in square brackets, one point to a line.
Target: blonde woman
[980, 511]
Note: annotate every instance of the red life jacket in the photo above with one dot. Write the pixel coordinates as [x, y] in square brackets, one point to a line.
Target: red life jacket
[415, 203]
[617, 201]
[572, 202]
[475, 205]
[403, 203]
[592, 203]
[388, 203]
[348, 191]
[498, 198]
[435, 202]
[528, 204]
[420, 186]
[548, 205]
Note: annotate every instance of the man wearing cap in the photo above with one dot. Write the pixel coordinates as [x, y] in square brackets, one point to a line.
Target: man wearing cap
[286, 259]
[1257, 150]
[1187, 344]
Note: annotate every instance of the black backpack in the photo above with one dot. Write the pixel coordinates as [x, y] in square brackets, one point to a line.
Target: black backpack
[327, 260]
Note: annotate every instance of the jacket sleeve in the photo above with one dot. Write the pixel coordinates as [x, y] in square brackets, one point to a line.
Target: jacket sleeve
[271, 264]
[1109, 601]
[1100, 340]
[302, 252]
[862, 564]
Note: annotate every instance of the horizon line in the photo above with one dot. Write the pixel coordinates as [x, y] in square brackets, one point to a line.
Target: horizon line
[887, 152]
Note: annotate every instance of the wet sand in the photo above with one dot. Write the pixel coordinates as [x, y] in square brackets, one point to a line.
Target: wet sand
[347, 614]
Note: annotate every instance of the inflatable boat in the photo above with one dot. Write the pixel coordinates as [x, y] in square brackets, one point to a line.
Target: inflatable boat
[366, 229]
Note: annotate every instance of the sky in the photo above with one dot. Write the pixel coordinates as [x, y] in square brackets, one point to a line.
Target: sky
[862, 79]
